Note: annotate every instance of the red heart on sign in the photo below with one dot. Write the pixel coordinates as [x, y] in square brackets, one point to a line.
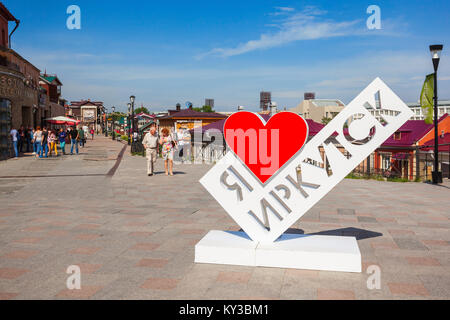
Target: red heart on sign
[265, 147]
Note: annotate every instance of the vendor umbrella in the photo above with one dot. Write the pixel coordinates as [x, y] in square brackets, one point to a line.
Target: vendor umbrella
[63, 121]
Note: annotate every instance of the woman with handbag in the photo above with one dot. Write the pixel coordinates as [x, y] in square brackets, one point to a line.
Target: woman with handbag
[168, 144]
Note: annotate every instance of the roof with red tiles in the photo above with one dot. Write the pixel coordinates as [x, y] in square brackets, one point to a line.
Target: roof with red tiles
[314, 127]
[443, 143]
[85, 102]
[189, 113]
[4, 12]
[411, 132]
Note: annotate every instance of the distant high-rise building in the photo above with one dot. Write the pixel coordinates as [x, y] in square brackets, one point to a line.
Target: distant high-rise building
[265, 100]
[310, 96]
[209, 103]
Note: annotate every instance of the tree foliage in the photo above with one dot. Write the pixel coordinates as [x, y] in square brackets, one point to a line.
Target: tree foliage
[204, 109]
[141, 110]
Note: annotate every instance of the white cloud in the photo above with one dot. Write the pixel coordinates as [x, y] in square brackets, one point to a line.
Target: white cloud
[282, 10]
[113, 81]
[308, 24]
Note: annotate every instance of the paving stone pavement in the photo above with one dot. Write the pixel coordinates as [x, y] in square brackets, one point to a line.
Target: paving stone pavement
[133, 236]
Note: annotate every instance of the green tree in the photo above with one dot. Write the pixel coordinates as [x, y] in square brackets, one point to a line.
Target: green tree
[326, 121]
[141, 109]
[204, 109]
[117, 116]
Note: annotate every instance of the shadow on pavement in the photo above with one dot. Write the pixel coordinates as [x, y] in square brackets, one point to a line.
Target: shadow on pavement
[359, 234]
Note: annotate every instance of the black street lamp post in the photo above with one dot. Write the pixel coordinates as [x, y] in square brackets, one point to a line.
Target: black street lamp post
[132, 100]
[129, 124]
[106, 123]
[435, 53]
[114, 123]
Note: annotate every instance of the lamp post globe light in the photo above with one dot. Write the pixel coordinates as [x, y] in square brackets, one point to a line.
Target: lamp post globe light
[436, 56]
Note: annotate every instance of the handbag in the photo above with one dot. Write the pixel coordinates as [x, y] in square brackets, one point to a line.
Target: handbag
[174, 144]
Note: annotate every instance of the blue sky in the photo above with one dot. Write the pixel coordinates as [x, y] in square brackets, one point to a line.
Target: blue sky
[172, 52]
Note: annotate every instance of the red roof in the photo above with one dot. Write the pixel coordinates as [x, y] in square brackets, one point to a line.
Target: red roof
[411, 132]
[314, 127]
[189, 113]
[85, 102]
[441, 140]
[142, 114]
[4, 12]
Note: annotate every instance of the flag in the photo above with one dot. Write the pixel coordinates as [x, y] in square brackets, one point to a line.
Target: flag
[427, 97]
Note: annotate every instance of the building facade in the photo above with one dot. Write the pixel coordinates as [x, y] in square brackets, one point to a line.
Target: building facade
[443, 108]
[50, 87]
[265, 100]
[209, 103]
[188, 119]
[19, 89]
[90, 113]
[319, 109]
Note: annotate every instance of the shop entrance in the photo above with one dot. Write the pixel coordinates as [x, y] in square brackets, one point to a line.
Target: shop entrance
[26, 117]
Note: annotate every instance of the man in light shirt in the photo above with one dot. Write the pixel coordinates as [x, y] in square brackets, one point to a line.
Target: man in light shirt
[15, 139]
[150, 144]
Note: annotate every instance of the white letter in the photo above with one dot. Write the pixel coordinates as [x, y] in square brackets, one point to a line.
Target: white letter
[374, 21]
[74, 21]
[74, 281]
[374, 281]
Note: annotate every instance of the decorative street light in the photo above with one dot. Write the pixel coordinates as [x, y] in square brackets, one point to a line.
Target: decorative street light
[114, 123]
[435, 54]
[132, 99]
[105, 127]
[128, 123]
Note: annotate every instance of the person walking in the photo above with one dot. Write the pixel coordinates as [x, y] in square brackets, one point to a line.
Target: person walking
[81, 137]
[21, 139]
[92, 133]
[168, 145]
[62, 140]
[33, 142]
[150, 144]
[28, 138]
[74, 140]
[52, 142]
[38, 141]
[15, 140]
[44, 143]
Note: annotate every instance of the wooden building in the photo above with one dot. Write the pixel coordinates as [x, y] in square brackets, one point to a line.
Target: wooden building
[188, 119]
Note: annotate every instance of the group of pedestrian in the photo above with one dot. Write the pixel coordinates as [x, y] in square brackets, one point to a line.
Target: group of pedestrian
[43, 142]
[152, 143]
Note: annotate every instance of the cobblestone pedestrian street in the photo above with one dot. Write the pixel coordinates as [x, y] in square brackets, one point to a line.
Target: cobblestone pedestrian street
[133, 236]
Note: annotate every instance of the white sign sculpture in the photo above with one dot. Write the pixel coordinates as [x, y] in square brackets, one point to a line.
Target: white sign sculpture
[266, 210]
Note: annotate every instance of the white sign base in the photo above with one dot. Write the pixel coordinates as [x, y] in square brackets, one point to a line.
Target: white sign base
[291, 251]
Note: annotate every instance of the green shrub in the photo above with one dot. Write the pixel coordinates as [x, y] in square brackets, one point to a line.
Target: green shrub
[353, 176]
[396, 179]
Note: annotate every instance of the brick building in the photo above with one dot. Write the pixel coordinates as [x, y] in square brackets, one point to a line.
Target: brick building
[50, 88]
[19, 88]
[90, 113]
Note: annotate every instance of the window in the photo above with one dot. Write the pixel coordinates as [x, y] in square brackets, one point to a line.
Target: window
[5, 127]
[397, 136]
[441, 111]
[418, 112]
